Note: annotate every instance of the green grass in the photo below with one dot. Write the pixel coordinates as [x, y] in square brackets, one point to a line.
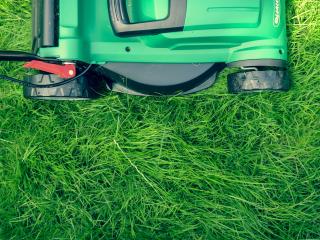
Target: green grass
[207, 166]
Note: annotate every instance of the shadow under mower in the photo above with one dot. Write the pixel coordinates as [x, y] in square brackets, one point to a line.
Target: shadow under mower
[153, 47]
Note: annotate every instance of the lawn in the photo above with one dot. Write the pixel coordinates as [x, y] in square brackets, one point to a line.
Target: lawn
[207, 166]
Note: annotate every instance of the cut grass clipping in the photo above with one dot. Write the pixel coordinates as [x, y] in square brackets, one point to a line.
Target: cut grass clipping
[207, 166]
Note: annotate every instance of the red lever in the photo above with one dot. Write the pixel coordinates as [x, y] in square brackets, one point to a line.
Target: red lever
[63, 71]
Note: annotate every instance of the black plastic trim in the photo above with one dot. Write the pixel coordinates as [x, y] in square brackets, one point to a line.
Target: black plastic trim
[122, 26]
[259, 63]
[45, 24]
[112, 71]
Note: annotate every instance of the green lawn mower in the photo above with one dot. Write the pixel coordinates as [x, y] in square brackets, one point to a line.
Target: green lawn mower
[82, 48]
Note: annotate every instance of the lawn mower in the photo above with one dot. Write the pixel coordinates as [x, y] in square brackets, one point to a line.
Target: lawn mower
[82, 48]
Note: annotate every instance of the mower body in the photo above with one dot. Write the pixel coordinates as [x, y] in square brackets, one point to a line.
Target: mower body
[213, 31]
[162, 46]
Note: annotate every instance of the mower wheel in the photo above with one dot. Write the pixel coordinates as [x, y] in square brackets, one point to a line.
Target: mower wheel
[79, 89]
[258, 81]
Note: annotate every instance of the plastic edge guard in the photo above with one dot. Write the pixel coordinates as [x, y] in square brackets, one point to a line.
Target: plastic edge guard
[122, 26]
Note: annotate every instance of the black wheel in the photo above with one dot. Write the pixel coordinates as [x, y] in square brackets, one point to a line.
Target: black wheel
[259, 80]
[80, 89]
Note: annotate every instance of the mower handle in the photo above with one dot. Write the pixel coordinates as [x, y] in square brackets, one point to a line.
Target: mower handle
[123, 27]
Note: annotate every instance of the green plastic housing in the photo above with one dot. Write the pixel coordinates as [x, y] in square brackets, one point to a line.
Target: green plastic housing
[215, 31]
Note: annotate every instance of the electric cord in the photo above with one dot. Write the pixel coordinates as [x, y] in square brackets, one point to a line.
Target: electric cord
[20, 56]
[53, 85]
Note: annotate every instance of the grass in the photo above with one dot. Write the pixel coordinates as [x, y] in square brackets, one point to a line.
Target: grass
[207, 166]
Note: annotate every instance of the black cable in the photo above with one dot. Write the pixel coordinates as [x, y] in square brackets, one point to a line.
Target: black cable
[53, 85]
[20, 56]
